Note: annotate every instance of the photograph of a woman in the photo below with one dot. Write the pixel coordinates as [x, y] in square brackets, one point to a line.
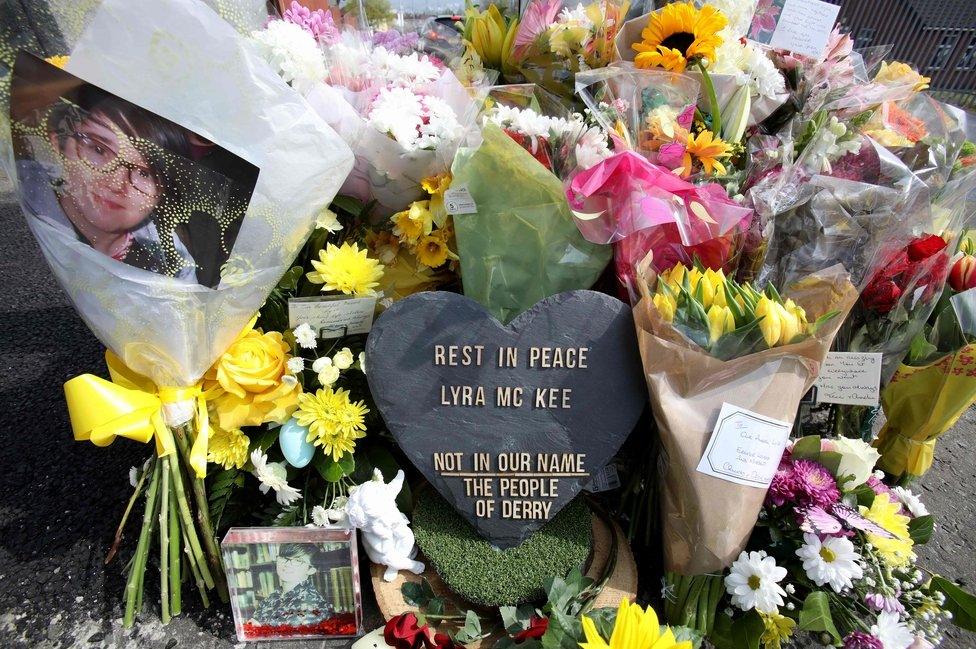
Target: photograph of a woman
[127, 182]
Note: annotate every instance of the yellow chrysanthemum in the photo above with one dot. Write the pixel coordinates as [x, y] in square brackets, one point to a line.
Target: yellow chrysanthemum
[635, 628]
[228, 448]
[678, 34]
[897, 551]
[708, 148]
[334, 421]
[60, 60]
[347, 269]
[779, 629]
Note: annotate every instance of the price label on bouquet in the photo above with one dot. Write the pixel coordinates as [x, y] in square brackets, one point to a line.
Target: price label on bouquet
[850, 378]
[799, 26]
[333, 317]
[457, 200]
[745, 447]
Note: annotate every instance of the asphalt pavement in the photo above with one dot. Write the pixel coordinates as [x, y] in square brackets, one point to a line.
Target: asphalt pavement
[59, 499]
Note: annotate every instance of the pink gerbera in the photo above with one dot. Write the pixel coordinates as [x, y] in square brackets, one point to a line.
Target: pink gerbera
[815, 485]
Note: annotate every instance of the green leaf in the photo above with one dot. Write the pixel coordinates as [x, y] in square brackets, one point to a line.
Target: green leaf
[417, 594]
[510, 618]
[471, 630]
[807, 448]
[822, 320]
[332, 470]
[831, 461]
[960, 603]
[348, 204]
[864, 494]
[744, 633]
[920, 528]
[815, 615]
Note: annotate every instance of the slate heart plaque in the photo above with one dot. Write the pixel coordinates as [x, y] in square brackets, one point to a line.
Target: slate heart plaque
[508, 423]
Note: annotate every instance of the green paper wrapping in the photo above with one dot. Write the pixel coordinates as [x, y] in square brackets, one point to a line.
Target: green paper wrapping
[522, 244]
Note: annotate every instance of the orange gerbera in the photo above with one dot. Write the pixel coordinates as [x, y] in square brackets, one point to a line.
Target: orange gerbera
[708, 149]
[679, 34]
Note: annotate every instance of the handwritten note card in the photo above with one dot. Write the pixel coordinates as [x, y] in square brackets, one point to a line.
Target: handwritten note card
[800, 26]
[333, 317]
[850, 378]
[745, 447]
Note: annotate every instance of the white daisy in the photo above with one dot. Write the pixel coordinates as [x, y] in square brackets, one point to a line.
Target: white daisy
[343, 359]
[273, 475]
[832, 561]
[892, 632]
[911, 501]
[295, 364]
[305, 336]
[753, 582]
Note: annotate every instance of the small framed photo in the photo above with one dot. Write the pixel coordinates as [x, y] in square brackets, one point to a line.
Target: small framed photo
[293, 582]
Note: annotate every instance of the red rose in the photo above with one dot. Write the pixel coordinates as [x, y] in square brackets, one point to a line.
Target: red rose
[924, 247]
[402, 632]
[881, 295]
[536, 147]
[537, 628]
[963, 274]
[443, 641]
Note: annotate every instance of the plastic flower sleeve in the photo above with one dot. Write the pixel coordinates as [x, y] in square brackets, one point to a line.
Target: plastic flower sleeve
[165, 328]
[707, 521]
[521, 245]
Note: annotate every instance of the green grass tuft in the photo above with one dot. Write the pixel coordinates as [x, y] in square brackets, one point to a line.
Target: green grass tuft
[481, 574]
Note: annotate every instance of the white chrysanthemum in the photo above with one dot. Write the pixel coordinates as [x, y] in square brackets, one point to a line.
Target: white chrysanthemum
[343, 359]
[328, 375]
[320, 364]
[334, 515]
[362, 362]
[575, 17]
[911, 501]
[592, 148]
[753, 582]
[739, 14]
[749, 65]
[832, 561]
[292, 52]
[892, 632]
[403, 70]
[295, 364]
[305, 336]
[328, 220]
[525, 122]
[414, 121]
[273, 475]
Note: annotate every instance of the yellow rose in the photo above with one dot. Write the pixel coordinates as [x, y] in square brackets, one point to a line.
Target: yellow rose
[251, 382]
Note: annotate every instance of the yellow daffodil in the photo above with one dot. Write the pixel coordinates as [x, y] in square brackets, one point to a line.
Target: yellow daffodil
[679, 34]
[334, 421]
[346, 269]
[432, 249]
[407, 229]
[778, 631]
[895, 551]
[435, 186]
[228, 448]
[720, 322]
[634, 628]
[708, 149]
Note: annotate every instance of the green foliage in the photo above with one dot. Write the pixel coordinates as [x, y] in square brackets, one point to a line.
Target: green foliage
[815, 615]
[920, 528]
[334, 470]
[743, 633]
[377, 11]
[221, 487]
[960, 603]
[471, 567]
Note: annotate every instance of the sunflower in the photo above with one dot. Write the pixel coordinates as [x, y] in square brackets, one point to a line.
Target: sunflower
[634, 628]
[708, 149]
[679, 34]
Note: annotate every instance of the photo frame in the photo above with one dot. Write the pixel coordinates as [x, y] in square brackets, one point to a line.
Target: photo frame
[291, 583]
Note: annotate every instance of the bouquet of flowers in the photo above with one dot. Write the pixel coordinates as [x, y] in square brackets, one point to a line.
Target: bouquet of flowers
[934, 385]
[833, 556]
[519, 246]
[168, 241]
[403, 114]
[707, 343]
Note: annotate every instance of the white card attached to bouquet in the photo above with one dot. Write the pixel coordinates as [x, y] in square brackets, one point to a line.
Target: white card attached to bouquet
[457, 200]
[850, 378]
[745, 447]
[799, 26]
[333, 317]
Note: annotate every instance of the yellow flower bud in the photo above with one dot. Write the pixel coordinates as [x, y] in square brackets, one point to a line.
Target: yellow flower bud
[695, 278]
[720, 322]
[797, 310]
[665, 305]
[791, 325]
[716, 279]
[771, 324]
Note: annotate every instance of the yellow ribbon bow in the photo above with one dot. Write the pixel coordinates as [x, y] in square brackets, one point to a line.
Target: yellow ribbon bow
[131, 406]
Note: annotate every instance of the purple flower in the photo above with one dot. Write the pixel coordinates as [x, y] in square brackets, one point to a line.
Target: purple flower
[783, 488]
[396, 42]
[318, 23]
[879, 603]
[815, 485]
[862, 640]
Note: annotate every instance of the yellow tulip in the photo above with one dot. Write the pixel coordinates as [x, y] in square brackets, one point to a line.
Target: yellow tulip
[716, 278]
[665, 305]
[695, 278]
[771, 324]
[791, 325]
[720, 322]
[797, 310]
[487, 33]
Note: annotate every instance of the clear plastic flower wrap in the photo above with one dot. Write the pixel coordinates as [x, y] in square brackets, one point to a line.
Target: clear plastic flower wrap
[520, 245]
[634, 199]
[169, 177]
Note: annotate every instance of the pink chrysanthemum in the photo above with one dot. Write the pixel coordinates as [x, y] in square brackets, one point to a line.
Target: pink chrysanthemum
[862, 640]
[783, 488]
[318, 23]
[879, 488]
[815, 485]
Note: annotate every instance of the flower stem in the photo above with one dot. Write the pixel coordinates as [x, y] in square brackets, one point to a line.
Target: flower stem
[133, 586]
[181, 434]
[712, 100]
[175, 578]
[189, 531]
[117, 541]
[164, 543]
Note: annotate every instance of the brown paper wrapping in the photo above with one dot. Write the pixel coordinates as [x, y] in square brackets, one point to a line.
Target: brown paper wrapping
[706, 521]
